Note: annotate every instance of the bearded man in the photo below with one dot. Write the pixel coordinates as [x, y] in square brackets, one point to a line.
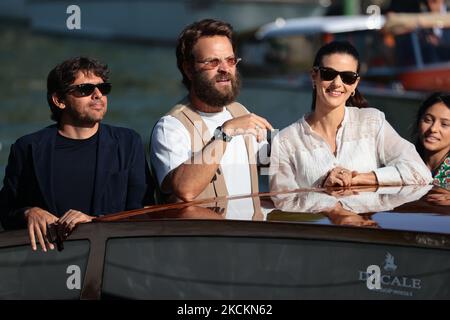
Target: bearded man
[79, 168]
[207, 145]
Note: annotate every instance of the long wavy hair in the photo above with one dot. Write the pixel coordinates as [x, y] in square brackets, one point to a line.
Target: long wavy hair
[357, 100]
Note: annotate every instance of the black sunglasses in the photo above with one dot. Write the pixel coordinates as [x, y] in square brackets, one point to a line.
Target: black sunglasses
[86, 89]
[328, 74]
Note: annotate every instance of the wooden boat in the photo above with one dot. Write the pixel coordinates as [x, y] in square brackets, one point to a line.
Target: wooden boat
[303, 244]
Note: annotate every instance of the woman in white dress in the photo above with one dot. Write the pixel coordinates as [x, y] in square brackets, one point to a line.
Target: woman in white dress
[342, 142]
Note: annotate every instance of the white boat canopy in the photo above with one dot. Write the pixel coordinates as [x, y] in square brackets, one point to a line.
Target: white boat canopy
[315, 25]
[396, 23]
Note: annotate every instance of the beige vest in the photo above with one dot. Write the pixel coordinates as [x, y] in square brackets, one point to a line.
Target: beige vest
[217, 187]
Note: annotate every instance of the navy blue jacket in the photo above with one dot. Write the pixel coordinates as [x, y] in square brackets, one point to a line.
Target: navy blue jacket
[122, 180]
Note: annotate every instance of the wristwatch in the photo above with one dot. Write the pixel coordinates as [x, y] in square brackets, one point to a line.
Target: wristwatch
[219, 134]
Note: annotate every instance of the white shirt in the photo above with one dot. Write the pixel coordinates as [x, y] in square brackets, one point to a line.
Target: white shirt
[171, 146]
[365, 142]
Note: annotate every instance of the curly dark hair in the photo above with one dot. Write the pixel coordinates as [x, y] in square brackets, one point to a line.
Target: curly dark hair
[189, 37]
[64, 74]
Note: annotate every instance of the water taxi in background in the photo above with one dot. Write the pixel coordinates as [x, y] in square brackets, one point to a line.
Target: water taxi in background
[359, 243]
[397, 58]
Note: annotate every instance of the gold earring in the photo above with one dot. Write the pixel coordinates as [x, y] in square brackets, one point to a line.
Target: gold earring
[353, 93]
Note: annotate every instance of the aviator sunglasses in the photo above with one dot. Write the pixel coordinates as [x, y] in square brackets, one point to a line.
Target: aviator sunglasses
[328, 74]
[213, 63]
[86, 89]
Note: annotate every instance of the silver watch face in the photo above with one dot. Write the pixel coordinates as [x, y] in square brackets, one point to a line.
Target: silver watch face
[220, 135]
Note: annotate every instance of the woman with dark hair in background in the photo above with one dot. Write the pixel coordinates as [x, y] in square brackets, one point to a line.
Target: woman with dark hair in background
[342, 142]
[433, 136]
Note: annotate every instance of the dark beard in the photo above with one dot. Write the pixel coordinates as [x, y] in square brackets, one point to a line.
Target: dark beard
[83, 121]
[206, 91]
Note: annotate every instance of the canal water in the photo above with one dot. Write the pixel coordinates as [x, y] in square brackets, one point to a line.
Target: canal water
[146, 84]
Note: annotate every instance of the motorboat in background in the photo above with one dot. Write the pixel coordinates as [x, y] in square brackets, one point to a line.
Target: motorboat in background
[397, 61]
